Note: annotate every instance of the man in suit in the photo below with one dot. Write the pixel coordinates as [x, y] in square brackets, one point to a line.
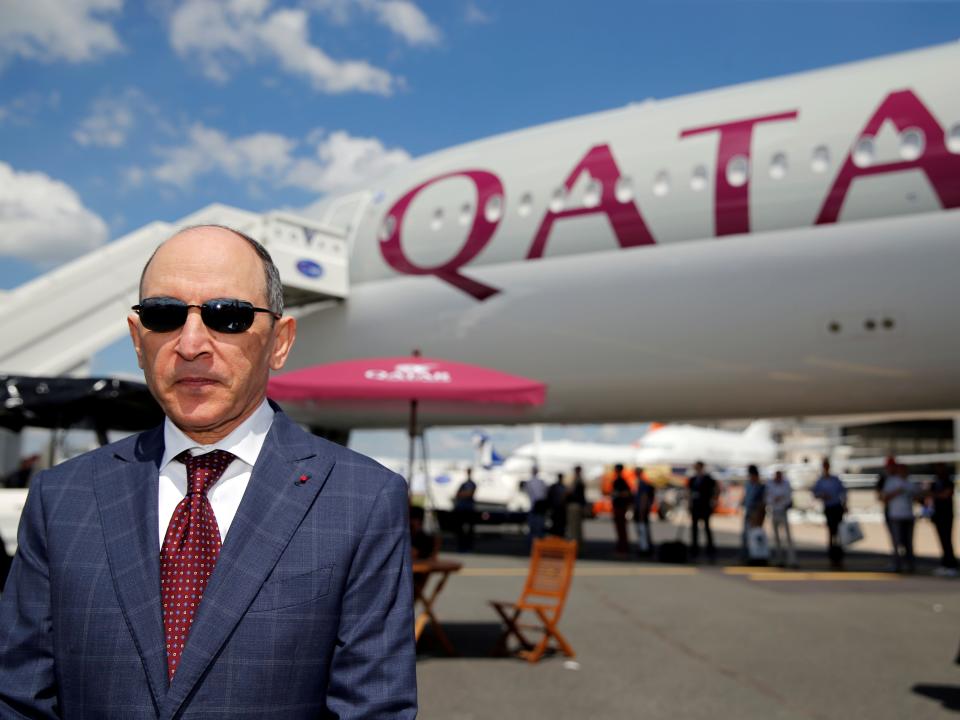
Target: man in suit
[149, 585]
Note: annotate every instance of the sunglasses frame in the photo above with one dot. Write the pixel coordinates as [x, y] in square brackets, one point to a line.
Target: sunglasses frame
[208, 311]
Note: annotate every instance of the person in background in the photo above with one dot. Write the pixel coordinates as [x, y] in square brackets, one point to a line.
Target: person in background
[557, 507]
[621, 497]
[464, 514]
[898, 494]
[889, 467]
[702, 495]
[831, 492]
[941, 493]
[576, 502]
[536, 490]
[780, 500]
[754, 507]
[642, 507]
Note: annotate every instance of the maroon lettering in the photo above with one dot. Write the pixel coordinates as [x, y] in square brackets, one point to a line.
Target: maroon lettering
[488, 185]
[627, 223]
[941, 167]
[732, 202]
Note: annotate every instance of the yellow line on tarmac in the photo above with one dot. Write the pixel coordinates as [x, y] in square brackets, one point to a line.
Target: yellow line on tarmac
[747, 570]
[583, 572]
[827, 576]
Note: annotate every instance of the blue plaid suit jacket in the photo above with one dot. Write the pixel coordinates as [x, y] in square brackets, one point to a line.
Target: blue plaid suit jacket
[308, 612]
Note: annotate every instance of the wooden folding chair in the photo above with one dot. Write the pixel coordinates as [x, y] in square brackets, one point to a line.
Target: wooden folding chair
[544, 595]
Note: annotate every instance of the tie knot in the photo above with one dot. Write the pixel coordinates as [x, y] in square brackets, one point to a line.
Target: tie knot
[204, 470]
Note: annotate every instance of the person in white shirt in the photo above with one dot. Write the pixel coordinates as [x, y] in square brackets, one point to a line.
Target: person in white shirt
[780, 500]
[898, 494]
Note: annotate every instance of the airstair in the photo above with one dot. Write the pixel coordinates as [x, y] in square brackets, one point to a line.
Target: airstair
[54, 324]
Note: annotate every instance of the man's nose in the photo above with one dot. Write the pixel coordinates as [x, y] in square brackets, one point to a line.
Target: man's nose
[194, 336]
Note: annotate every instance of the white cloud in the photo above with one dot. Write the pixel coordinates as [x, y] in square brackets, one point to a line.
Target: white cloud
[475, 16]
[48, 30]
[405, 19]
[261, 156]
[43, 220]
[402, 17]
[110, 121]
[221, 34]
[343, 161]
[337, 161]
[22, 109]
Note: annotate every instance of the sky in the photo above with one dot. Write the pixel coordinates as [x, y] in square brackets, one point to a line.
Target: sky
[116, 113]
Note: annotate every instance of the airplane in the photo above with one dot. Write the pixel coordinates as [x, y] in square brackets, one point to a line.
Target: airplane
[784, 247]
[666, 452]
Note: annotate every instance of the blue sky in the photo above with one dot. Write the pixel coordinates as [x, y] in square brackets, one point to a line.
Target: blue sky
[114, 113]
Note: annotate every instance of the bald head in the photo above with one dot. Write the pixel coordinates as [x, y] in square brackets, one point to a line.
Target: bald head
[271, 289]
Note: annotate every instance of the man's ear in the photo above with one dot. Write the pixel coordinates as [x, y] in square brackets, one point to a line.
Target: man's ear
[285, 333]
[133, 324]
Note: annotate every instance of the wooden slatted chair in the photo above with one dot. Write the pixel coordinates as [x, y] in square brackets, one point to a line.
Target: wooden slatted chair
[544, 594]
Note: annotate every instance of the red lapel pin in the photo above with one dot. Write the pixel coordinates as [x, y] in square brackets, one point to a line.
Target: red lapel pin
[302, 480]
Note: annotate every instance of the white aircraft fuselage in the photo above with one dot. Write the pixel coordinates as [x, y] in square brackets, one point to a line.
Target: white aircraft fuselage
[784, 247]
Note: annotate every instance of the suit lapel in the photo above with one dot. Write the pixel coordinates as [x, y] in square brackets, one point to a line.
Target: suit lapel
[272, 508]
[126, 489]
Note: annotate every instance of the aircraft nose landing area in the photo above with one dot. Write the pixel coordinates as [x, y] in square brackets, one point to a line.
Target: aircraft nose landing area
[702, 641]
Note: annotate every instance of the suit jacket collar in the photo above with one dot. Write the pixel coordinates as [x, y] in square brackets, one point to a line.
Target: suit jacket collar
[273, 506]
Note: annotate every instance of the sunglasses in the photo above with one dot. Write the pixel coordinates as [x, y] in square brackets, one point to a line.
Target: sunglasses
[226, 315]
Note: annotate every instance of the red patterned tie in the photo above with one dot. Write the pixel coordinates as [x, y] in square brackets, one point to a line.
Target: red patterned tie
[190, 550]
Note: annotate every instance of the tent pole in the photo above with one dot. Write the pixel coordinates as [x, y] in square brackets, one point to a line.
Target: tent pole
[412, 432]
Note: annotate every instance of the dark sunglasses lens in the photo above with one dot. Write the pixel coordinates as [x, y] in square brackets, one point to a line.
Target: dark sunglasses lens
[227, 316]
[162, 315]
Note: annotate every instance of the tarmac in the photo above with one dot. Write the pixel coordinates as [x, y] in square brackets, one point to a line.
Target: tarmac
[704, 640]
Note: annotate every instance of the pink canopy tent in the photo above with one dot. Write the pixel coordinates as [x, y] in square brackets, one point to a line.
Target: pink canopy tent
[412, 379]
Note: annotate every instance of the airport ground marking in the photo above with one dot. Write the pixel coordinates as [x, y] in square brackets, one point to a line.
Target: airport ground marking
[584, 571]
[824, 576]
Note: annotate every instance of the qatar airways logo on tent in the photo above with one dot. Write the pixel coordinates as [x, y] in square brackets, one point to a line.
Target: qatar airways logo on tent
[410, 372]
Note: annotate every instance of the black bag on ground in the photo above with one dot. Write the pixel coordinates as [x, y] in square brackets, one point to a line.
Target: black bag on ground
[672, 552]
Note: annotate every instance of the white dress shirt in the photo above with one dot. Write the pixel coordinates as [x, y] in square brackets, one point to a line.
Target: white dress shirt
[245, 443]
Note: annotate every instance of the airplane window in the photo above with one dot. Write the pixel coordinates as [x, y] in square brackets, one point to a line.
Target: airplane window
[466, 214]
[738, 170]
[591, 196]
[661, 183]
[911, 143]
[888, 323]
[953, 141]
[526, 205]
[778, 166]
[820, 162]
[834, 327]
[386, 230]
[624, 189]
[494, 208]
[864, 151]
[870, 324]
[558, 200]
[437, 222]
[698, 181]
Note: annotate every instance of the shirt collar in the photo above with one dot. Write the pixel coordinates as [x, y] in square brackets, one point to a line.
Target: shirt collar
[244, 442]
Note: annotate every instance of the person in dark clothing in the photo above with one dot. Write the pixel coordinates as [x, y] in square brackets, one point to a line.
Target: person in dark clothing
[831, 491]
[622, 499]
[702, 489]
[941, 492]
[642, 506]
[464, 515]
[557, 507]
[576, 502]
